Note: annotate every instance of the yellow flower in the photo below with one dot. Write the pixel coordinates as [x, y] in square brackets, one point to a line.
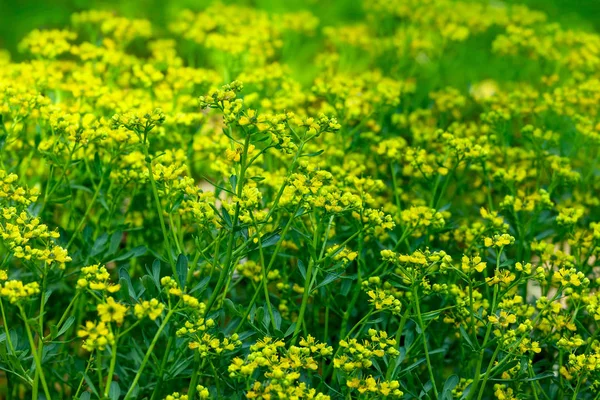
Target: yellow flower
[112, 311]
[96, 335]
[153, 309]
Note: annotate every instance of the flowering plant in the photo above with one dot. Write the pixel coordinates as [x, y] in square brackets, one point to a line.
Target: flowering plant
[184, 214]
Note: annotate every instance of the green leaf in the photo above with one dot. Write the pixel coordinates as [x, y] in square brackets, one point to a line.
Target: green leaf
[149, 285]
[227, 218]
[466, 337]
[133, 253]
[302, 269]
[233, 182]
[270, 240]
[99, 245]
[313, 154]
[229, 306]
[399, 360]
[125, 279]
[290, 330]
[65, 326]
[115, 241]
[277, 318]
[115, 391]
[90, 383]
[201, 285]
[266, 320]
[328, 279]
[346, 286]
[422, 360]
[182, 269]
[450, 384]
[541, 376]
[156, 273]
[97, 164]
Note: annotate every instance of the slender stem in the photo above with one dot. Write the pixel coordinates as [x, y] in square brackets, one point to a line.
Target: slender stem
[87, 368]
[265, 282]
[160, 212]
[533, 382]
[175, 238]
[399, 336]
[65, 313]
[99, 371]
[305, 294]
[425, 347]
[576, 391]
[149, 352]
[487, 372]
[195, 375]
[126, 331]
[488, 331]
[226, 270]
[10, 344]
[358, 324]
[48, 192]
[87, 211]
[249, 308]
[350, 308]
[113, 363]
[41, 325]
[36, 357]
[163, 364]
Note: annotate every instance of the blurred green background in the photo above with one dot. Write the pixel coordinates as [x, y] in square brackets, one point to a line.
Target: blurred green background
[17, 17]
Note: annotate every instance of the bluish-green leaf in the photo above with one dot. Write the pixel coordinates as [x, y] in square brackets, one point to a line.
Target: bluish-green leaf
[182, 269]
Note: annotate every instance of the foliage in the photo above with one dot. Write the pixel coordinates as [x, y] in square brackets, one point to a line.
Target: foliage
[409, 209]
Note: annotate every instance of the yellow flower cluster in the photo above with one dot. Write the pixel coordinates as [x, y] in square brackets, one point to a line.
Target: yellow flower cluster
[283, 368]
[111, 311]
[96, 336]
[208, 345]
[16, 291]
[151, 309]
[97, 277]
[359, 355]
[371, 387]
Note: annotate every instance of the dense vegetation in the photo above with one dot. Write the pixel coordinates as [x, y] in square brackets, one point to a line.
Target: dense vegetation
[240, 202]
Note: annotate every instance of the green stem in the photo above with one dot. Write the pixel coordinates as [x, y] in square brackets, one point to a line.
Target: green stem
[265, 282]
[350, 308]
[41, 325]
[163, 364]
[149, 352]
[159, 210]
[65, 313]
[10, 344]
[399, 336]
[195, 375]
[113, 363]
[87, 211]
[305, 295]
[87, 368]
[488, 331]
[99, 371]
[226, 270]
[576, 391]
[425, 347]
[36, 357]
[48, 192]
[249, 308]
[487, 372]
